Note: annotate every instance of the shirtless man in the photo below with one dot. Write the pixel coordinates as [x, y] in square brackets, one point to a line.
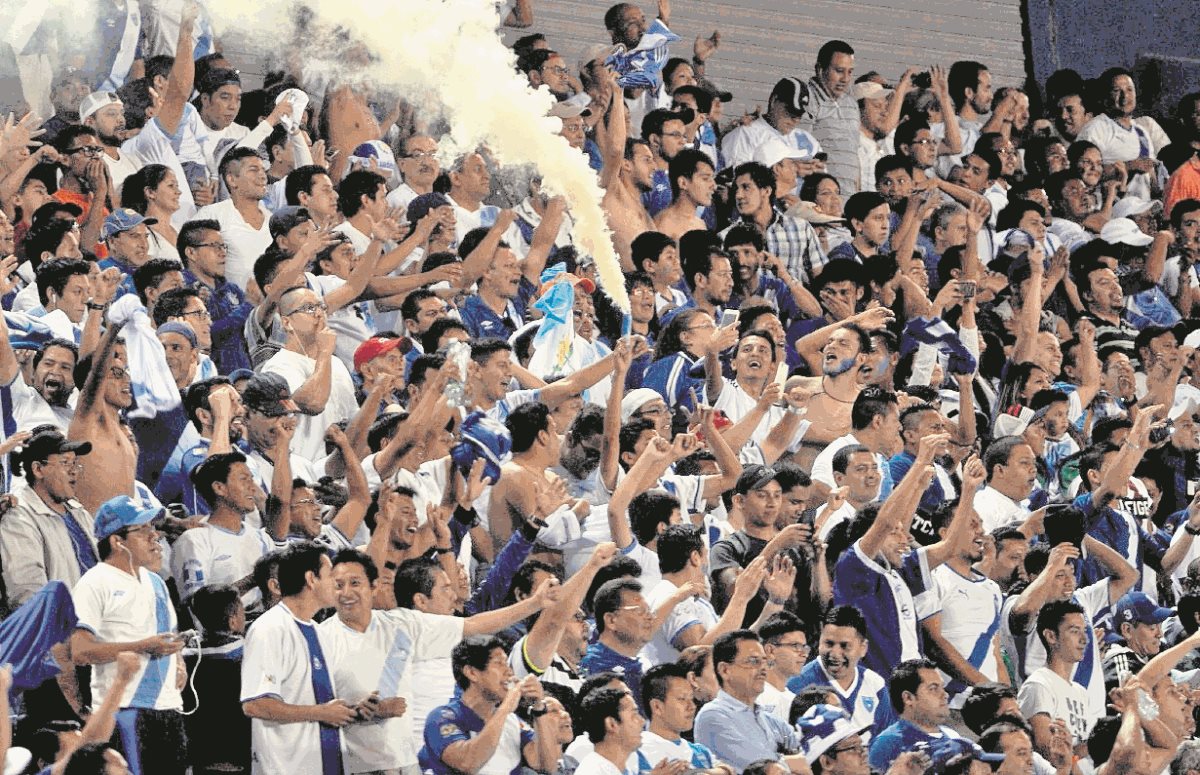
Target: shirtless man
[628, 173]
[846, 351]
[692, 187]
[106, 391]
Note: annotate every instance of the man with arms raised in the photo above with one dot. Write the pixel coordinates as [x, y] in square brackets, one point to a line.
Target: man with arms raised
[105, 390]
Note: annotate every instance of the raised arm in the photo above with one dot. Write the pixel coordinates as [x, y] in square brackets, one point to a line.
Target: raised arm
[183, 72]
[959, 532]
[543, 638]
[350, 516]
[542, 242]
[277, 514]
[610, 449]
[312, 396]
[1116, 479]
[901, 505]
[86, 404]
[951, 144]
[1122, 575]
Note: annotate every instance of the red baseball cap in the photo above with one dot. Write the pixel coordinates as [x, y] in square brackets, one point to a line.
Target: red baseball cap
[377, 346]
[585, 283]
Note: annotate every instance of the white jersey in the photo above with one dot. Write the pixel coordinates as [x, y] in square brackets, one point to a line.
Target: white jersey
[277, 663]
[997, 510]
[381, 660]
[1029, 654]
[117, 607]
[777, 702]
[434, 689]
[558, 672]
[693, 611]
[737, 403]
[595, 764]
[970, 619]
[212, 555]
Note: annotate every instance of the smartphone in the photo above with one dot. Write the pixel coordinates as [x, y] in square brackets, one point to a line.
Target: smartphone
[729, 317]
[967, 289]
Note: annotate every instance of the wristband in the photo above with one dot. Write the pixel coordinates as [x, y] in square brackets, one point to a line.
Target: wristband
[468, 518]
[438, 551]
[531, 528]
[1189, 530]
[536, 712]
[777, 600]
[97, 307]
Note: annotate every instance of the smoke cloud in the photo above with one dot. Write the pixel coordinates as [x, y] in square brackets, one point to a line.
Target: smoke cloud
[446, 57]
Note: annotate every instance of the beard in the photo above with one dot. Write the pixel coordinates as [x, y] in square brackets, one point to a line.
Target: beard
[840, 368]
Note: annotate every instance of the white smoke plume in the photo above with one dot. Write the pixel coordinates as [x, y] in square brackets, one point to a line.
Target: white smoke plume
[447, 57]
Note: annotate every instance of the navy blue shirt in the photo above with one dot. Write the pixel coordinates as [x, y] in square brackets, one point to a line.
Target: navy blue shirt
[482, 321]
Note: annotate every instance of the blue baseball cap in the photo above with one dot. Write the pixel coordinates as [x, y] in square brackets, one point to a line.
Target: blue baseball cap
[946, 752]
[1137, 608]
[118, 513]
[123, 219]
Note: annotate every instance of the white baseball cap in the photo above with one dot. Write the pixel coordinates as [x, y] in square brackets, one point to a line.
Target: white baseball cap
[97, 100]
[1125, 232]
[775, 150]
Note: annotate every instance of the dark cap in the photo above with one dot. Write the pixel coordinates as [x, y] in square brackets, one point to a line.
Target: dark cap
[754, 477]
[287, 218]
[51, 209]
[792, 93]
[268, 394]
[420, 207]
[39, 448]
[715, 92]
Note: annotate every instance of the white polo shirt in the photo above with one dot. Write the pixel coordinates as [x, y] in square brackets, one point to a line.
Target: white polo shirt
[117, 607]
[212, 555]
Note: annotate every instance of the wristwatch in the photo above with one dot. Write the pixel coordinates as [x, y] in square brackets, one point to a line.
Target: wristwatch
[1190, 531]
[93, 305]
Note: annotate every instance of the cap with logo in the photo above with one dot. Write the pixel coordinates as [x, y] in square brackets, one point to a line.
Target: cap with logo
[754, 477]
[123, 219]
[97, 100]
[1138, 608]
[822, 727]
[121, 512]
[269, 394]
[792, 94]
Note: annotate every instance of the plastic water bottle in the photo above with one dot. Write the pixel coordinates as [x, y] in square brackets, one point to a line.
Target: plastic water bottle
[459, 354]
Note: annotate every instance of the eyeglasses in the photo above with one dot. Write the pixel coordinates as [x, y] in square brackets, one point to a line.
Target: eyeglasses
[924, 141]
[202, 314]
[310, 309]
[90, 150]
[220, 247]
[800, 647]
[306, 502]
[654, 411]
[676, 135]
[754, 663]
[642, 610]
[558, 70]
[574, 126]
[70, 465]
[857, 749]
[421, 155]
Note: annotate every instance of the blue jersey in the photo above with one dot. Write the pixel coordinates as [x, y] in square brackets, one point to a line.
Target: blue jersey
[866, 700]
[884, 595]
[482, 321]
[455, 722]
[658, 198]
[672, 378]
[898, 738]
[600, 658]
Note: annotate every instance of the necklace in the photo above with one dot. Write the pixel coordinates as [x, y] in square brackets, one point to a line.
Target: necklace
[825, 391]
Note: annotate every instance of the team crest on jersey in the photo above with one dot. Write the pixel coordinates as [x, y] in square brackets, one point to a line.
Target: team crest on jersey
[869, 703]
[445, 730]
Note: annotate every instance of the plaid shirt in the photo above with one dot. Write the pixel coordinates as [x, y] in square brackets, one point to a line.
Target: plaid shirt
[796, 243]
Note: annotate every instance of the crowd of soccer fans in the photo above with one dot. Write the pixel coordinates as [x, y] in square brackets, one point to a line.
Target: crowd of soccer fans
[325, 453]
